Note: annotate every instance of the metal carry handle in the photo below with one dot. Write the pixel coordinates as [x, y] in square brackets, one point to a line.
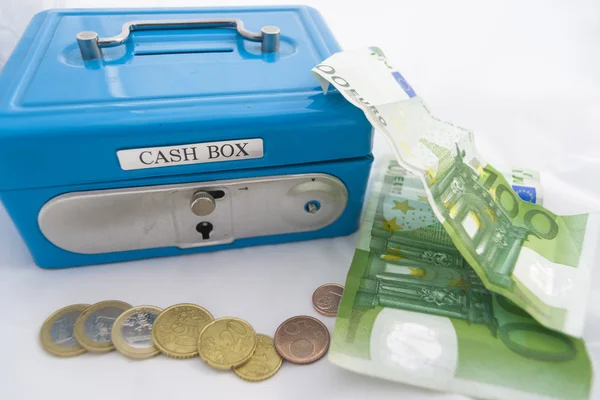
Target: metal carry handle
[90, 44]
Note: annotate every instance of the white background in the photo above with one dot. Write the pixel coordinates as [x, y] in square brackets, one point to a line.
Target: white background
[524, 75]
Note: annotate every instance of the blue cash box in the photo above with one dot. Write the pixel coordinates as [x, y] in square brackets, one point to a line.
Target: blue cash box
[127, 134]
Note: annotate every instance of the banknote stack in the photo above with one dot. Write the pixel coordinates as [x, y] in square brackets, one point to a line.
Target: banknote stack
[460, 281]
[185, 331]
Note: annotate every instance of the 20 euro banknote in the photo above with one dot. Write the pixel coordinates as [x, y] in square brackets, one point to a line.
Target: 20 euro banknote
[414, 311]
[536, 258]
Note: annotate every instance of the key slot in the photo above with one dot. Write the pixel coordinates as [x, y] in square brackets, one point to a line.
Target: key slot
[205, 228]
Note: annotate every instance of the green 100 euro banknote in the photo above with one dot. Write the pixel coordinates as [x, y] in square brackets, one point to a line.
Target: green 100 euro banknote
[414, 311]
[534, 257]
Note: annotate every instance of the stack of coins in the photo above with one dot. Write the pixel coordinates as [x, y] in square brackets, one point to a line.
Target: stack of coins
[188, 330]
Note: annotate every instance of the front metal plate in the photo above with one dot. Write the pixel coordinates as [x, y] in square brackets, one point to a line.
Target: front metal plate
[114, 220]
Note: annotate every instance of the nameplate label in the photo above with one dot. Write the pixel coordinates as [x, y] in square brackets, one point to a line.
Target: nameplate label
[197, 153]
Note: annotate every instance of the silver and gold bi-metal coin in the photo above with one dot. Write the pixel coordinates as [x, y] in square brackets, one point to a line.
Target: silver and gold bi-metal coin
[132, 332]
[93, 328]
[56, 334]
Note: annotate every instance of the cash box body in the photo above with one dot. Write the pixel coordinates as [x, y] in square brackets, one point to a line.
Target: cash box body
[181, 139]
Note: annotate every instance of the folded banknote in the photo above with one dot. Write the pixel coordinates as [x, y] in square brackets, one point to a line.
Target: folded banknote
[539, 260]
[414, 311]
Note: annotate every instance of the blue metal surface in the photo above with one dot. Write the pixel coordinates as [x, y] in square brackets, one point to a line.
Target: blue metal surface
[63, 119]
[57, 112]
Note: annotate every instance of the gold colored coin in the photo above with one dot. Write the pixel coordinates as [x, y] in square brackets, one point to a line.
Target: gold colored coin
[227, 342]
[176, 330]
[132, 332]
[264, 363]
[93, 328]
[56, 334]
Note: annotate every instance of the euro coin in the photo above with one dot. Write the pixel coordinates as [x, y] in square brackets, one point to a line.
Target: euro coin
[302, 340]
[176, 330]
[264, 363]
[227, 342]
[56, 334]
[93, 328]
[132, 332]
[326, 299]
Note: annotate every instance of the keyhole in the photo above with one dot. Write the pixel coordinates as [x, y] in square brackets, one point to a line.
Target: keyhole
[204, 228]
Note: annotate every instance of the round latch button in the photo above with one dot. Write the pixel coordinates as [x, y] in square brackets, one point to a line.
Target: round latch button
[202, 203]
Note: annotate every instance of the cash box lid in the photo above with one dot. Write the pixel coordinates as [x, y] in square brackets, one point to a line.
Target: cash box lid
[63, 119]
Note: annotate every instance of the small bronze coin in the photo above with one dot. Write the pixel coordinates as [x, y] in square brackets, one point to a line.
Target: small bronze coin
[302, 339]
[326, 299]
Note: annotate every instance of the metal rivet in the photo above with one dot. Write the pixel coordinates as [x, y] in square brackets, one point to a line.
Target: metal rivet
[270, 39]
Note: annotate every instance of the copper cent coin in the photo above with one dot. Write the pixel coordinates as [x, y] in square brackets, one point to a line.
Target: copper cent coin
[302, 339]
[326, 299]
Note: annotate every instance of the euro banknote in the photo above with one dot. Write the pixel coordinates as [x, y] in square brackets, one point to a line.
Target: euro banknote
[532, 256]
[414, 311]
